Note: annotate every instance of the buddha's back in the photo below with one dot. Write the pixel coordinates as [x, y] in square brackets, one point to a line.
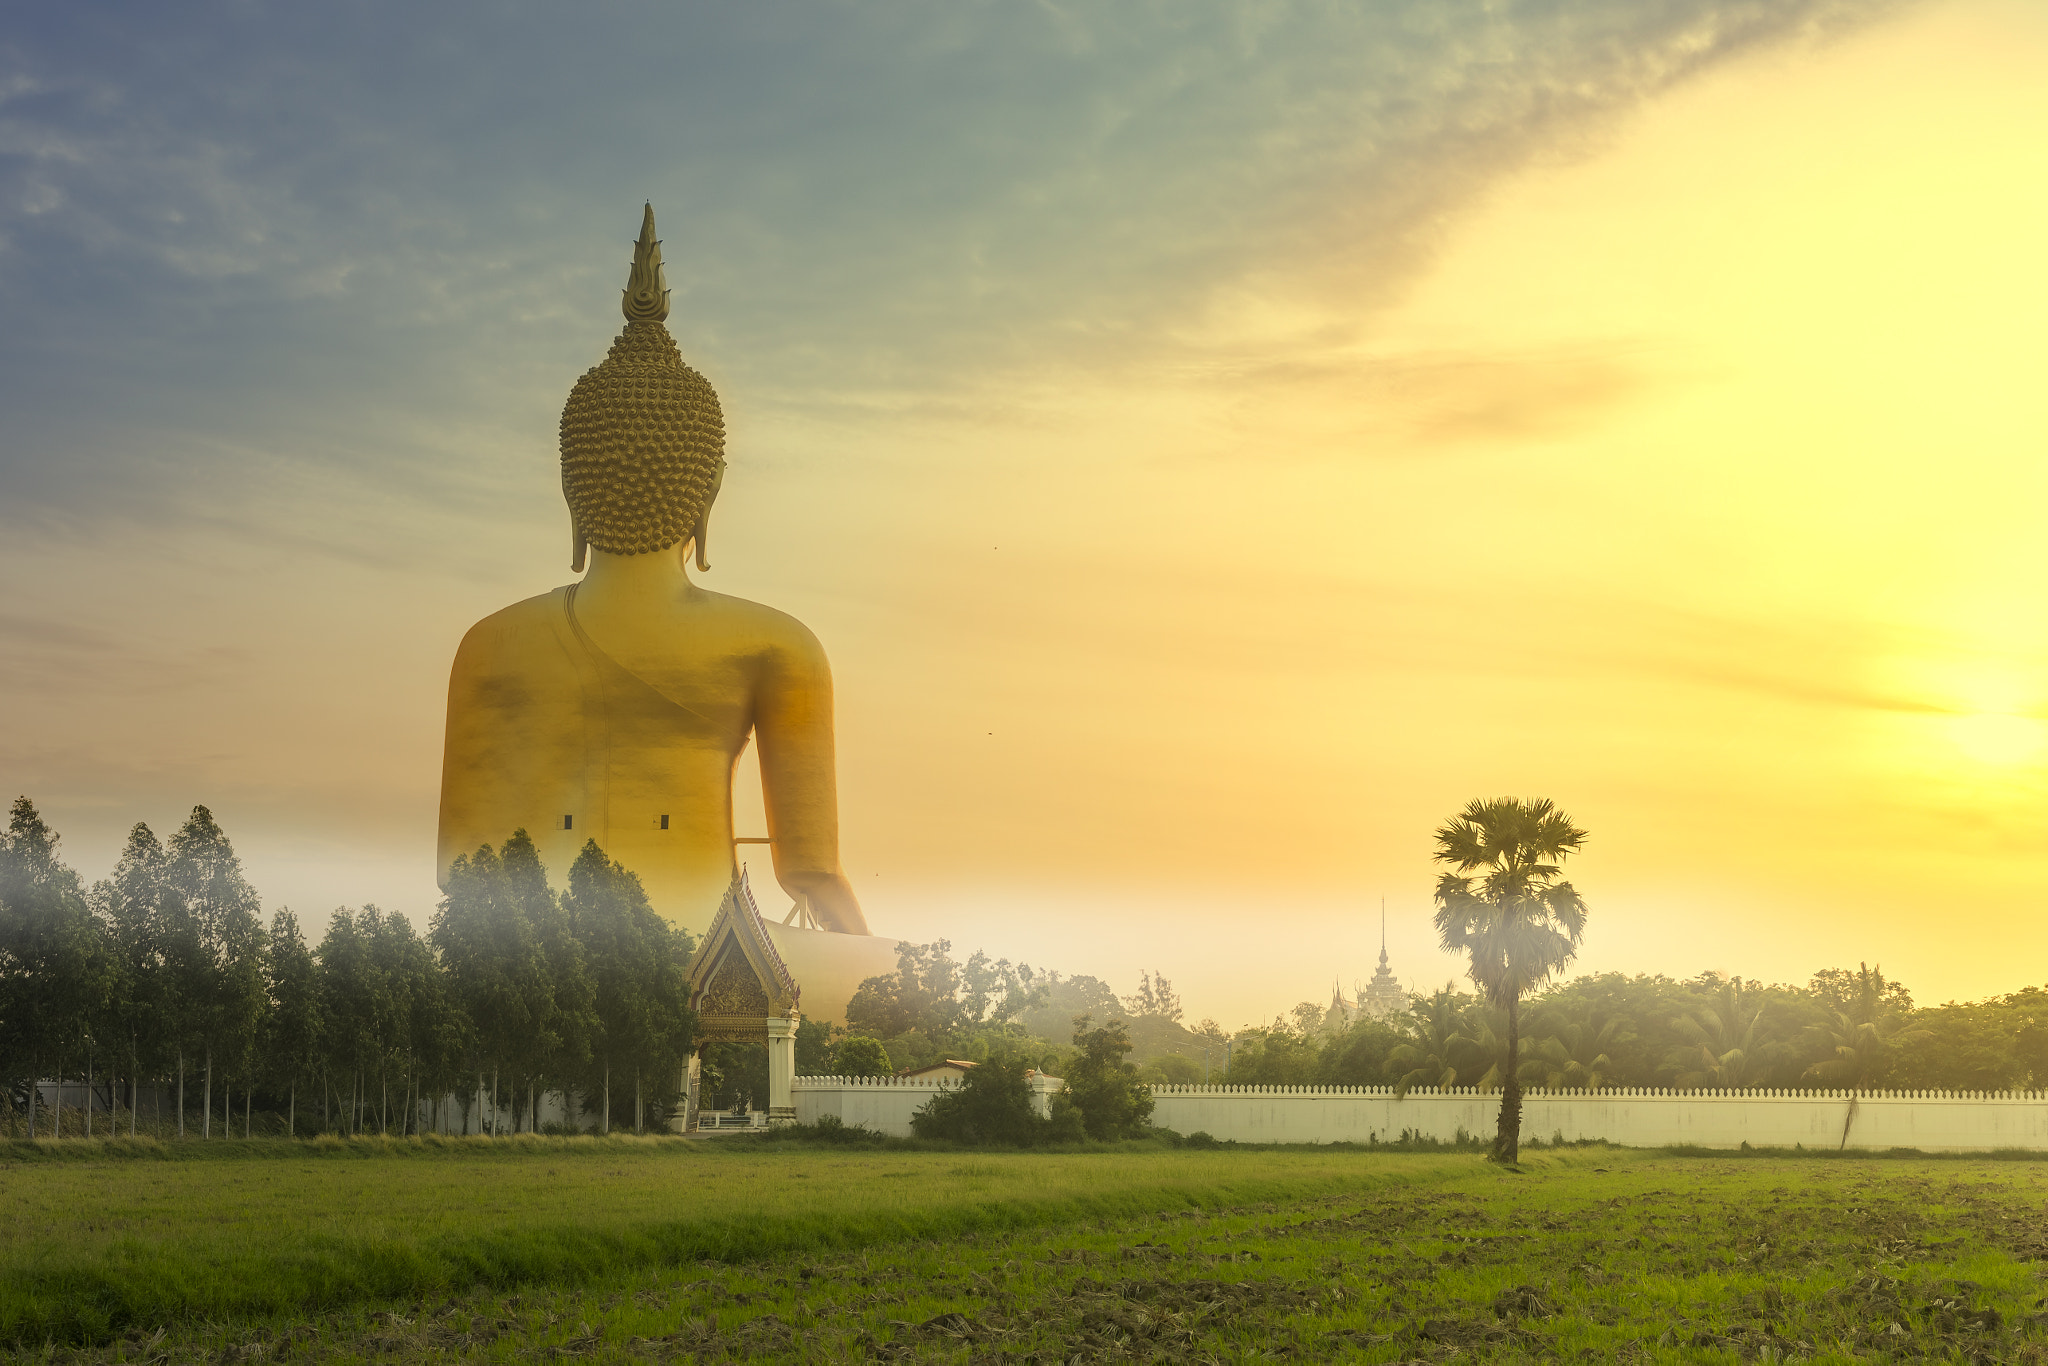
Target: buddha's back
[616, 709]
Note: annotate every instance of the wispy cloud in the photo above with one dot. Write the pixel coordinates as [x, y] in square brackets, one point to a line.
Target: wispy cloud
[271, 221]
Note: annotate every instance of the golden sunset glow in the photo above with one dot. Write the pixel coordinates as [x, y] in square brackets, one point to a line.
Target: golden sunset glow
[1690, 472]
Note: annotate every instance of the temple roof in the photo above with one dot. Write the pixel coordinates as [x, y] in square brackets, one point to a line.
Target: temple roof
[737, 979]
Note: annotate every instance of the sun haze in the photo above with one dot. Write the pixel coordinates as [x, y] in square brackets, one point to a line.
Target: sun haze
[1208, 460]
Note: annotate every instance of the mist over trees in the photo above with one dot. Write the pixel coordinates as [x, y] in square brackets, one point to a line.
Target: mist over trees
[1846, 1027]
[163, 979]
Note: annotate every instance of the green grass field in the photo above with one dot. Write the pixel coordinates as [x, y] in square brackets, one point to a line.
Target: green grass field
[735, 1249]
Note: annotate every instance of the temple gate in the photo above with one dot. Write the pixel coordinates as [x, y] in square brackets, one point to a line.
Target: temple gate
[743, 992]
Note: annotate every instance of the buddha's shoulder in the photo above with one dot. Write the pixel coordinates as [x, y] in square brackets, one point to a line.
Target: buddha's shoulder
[515, 628]
[757, 623]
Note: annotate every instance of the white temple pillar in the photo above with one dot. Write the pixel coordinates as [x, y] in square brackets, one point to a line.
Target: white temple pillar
[692, 1074]
[781, 1069]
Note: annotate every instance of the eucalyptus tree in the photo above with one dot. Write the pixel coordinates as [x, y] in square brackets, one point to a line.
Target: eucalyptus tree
[559, 1046]
[291, 1045]
[53, 971]
[137, 905]
[353, 1006]
[1504, 903]
[412, 1026]
[224, 998]
[637, 963]
[496, 966]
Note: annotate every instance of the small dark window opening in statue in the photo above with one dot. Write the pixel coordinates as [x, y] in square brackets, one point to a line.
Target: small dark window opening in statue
[568, 822]
[664, 822]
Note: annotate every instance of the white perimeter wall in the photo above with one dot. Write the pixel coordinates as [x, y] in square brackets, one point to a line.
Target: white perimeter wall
[885, 1104]
[1934, 1120]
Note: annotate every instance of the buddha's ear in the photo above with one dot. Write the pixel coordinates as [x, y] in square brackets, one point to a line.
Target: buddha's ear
[578, 545]
[702, 531]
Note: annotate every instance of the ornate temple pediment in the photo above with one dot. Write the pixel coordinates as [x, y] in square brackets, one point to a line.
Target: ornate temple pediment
[737, 979]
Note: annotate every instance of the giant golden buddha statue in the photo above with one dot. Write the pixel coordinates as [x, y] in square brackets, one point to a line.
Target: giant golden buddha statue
[616, 708]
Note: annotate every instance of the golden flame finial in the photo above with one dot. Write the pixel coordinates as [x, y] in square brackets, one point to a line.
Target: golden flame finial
[646, 293]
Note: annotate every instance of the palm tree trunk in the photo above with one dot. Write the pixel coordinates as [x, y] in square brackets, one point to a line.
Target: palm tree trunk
[1507, 1139]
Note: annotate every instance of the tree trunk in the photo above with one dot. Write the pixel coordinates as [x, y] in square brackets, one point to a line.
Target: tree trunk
[88, 1095]
[206, 1124]
[35, 1088]
[291, 1113]
[227, 1109]
[1507, 1138]
[605, 1125]
[494, 1102]
[383, 1103]
[248, 1109]
[639, 1106]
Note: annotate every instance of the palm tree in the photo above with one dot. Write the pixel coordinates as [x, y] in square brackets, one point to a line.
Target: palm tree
[1863, 1032]
[1434, 1033]
[1518, 920]
[1576, 1055]
[1721, 1038]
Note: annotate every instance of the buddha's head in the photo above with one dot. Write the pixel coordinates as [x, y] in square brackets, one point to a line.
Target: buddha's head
[643, 441]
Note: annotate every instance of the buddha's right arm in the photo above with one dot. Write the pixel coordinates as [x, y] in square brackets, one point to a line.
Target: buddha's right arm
[793, 725]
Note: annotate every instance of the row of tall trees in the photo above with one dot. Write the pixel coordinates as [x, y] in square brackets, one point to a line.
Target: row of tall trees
[163, 977]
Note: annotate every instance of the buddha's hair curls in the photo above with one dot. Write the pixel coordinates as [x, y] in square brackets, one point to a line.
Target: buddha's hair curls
[643, 446]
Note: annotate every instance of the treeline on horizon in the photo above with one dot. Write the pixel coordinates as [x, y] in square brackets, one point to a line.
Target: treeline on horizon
[164, 977]
[1845, 1028]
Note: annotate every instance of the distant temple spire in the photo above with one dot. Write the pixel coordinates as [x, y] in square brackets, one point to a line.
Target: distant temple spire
[1383, 996]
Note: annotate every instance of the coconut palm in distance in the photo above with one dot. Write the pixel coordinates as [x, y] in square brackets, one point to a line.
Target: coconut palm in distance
[1433, 1035]
[1504, 904]
[1721, 1039]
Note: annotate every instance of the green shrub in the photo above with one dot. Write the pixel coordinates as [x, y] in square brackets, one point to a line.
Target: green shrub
[991, 1105]
[1113, 1102]
[861, 1056]
[830, 1130]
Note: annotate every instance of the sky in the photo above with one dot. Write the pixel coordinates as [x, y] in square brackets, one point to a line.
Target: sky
[1212, 441]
